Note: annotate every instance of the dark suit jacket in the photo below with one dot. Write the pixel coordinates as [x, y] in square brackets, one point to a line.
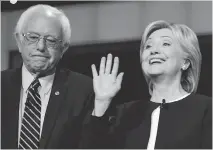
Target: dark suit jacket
[65, 113]
[184, 124]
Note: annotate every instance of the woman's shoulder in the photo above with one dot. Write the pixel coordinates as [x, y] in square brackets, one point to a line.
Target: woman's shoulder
[200, 98]
[199, 102]
[132, 108]
[133, 103]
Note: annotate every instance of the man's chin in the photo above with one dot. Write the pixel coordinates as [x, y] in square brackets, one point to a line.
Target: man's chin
[42, 70]
[39, 69]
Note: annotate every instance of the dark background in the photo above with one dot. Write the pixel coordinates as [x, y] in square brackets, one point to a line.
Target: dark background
[7, 6]
[79, 58]
[134, 87]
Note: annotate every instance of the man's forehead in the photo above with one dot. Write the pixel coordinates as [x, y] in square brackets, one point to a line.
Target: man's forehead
[44, 14]
[47, 12]
[43, 23]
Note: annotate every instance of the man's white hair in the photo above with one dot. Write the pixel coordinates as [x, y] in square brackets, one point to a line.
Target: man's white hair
[50, 11]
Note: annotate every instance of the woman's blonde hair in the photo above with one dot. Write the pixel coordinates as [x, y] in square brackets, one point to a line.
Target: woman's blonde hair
[188, 41]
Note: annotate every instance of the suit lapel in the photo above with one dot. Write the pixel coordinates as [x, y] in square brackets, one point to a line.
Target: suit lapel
[56, 97]
[13, 109]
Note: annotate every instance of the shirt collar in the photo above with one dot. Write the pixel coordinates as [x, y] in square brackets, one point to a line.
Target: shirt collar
[27, 78]
[47, 82]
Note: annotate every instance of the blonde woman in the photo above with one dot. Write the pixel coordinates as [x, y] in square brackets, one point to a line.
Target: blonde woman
[175, 117]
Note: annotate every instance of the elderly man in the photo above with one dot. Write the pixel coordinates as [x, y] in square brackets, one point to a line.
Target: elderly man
[44, 106]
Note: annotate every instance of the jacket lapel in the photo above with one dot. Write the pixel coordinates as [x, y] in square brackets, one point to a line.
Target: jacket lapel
[56, 97]
[13, 109]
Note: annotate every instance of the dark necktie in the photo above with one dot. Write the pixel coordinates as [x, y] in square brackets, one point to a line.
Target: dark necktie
[30, 127]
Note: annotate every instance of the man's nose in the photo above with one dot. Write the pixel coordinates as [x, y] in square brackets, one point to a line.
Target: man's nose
[41, 45]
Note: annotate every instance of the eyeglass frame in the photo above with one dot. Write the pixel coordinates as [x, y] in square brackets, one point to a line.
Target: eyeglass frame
[58, 41]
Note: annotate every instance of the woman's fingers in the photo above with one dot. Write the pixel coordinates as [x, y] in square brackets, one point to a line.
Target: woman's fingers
[115, 66]
[94, 71]
[102, 66]
[108, 64]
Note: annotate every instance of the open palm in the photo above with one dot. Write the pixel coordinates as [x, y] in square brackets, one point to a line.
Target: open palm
[107, 83]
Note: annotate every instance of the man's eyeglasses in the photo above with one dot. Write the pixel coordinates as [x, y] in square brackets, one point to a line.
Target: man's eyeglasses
[33, 38]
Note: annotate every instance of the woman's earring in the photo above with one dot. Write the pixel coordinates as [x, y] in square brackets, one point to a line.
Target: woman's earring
[184, 67]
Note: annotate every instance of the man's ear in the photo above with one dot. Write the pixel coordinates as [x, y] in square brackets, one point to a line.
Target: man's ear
[65, 47]
[18, 41]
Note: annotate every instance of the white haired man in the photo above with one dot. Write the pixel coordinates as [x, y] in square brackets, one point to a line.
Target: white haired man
[44, 106]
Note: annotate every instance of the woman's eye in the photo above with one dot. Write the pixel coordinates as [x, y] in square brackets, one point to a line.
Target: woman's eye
[147, 46]
[166, 44]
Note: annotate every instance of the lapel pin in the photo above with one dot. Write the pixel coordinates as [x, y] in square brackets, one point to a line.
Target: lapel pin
[57, 93]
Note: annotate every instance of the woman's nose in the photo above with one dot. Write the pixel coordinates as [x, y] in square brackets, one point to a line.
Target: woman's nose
[154, 50]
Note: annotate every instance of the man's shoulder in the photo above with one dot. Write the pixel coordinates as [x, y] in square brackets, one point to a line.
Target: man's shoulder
[73, 77]
[72, 74]
[9, 70]
[7, 73]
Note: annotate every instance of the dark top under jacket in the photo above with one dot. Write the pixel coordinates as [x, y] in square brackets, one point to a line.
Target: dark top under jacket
[183, 124]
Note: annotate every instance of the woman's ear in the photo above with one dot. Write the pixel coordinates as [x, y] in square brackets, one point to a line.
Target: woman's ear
[186, 64]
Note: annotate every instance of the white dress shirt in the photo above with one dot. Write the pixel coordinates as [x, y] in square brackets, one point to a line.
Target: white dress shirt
[154, 124]
[44, 92]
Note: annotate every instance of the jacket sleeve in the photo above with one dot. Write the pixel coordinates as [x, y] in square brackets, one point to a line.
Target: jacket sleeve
[99, 132]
